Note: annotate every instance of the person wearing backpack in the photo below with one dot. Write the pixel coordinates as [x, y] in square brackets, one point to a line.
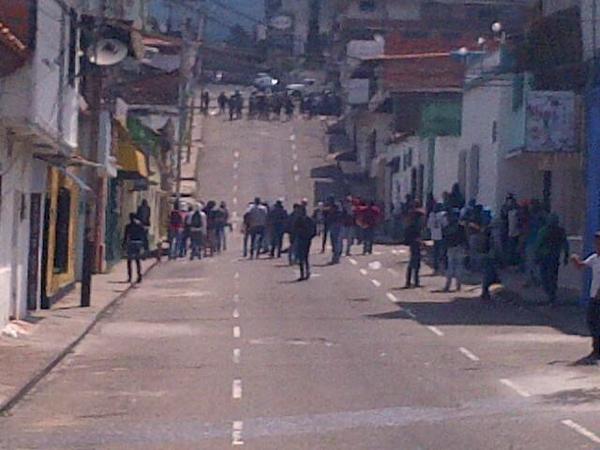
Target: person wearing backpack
[197, 221]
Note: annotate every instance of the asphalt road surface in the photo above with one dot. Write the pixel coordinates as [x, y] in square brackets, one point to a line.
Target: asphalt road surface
[228, 352]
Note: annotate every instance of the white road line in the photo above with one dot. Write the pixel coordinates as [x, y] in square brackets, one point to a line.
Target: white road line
[581, 430]
[236, 155]
[353, 261]
[363, 272]
[236, 434]
[514, 387]
[236, 389]
[296, 168]
[469, 354]
[392, 297]
[236, 276]
[293, 137]
[237, 353]
[236, 314]
[296, 177]
[235, 200]
[393, 272]
[236, 165]
[376, 283]
[435, 330]
[237, 332]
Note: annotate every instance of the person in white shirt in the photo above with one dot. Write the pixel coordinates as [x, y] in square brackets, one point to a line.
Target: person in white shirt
[436, 222]
[256, 217]
[593, 313]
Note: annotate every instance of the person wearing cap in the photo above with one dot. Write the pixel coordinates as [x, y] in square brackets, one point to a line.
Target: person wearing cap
[593, 313]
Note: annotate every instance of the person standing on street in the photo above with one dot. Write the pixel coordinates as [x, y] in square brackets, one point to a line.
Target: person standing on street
[413, 236]
[205, 102]
[257, 222]
[552, 240]
[304, 231]
[593, 313]
[222, 224]
[222, 100]
[368, 217]
[455, 239]
[277, 221]
[176, 225]
[134, 242]
[436, 223]
[197, 223]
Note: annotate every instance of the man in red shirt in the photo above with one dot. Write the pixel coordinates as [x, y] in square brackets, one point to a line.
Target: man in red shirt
[368, 217]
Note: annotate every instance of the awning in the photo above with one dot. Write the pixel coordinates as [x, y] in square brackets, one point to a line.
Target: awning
[131, 160]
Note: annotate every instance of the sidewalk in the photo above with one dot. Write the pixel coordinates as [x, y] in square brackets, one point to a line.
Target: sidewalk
[30, 349]
[568, 314]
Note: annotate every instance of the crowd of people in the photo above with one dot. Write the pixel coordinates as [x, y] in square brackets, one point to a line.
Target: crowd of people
[467, 236]
[273, 105]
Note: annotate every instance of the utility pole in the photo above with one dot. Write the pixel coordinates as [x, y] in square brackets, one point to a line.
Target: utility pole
[187, 81]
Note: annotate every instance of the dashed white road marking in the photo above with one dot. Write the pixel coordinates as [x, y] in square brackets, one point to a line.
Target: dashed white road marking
[236, 434]
[435, 330]
[235, 200]
[236, 165]
[237, 353]
[236, 154]
[363, 272]
[522, 392]
[236, 275]
[236, 314]
[353, 261]
[469, 354]
[296, 177]
[295, 168]
[236, 389]
[392, 297]
[237, 332]
[293, 137]
[376, 283]
[393, 272]
[581, 430]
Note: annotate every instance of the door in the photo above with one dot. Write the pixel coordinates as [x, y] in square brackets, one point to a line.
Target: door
[33, 260]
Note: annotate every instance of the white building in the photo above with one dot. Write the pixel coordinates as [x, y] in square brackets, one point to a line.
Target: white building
[38, 122]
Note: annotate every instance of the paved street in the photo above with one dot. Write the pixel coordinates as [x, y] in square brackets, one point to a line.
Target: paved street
[225, 352]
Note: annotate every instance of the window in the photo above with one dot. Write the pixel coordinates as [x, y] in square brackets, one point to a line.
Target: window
[367, 5]
[61, 232]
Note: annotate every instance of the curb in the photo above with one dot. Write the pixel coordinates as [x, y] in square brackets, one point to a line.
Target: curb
[8, 404]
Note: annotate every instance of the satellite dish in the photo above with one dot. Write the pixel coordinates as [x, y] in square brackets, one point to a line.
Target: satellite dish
[107, 52]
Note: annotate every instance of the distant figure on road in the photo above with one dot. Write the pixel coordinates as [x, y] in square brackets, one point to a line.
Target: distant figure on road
[222, 224]
[368, 217]
[304, 232]
[205, 102]
[223, 101]
[413, 236]
[176, 226]
[455, 240]
[593, 314]
[256, 217]
[197, 226]
[551, 242]
[289, 108]
[231, 104]
[277, 221]
[134, 242]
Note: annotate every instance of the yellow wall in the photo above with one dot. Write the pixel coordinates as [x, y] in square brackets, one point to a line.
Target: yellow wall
[56, 282]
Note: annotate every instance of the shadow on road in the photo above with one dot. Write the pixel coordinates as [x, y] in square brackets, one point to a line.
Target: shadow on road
[477, 312]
